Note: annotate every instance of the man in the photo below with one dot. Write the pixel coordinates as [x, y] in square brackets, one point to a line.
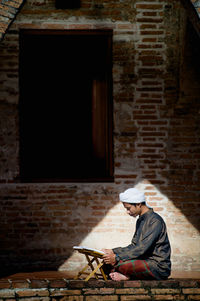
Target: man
[148, 255]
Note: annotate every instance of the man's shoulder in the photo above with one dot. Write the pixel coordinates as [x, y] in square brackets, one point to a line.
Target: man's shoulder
[156, 216]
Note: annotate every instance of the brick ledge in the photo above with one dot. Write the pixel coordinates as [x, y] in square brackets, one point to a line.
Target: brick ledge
[57, 279]
[65, 275]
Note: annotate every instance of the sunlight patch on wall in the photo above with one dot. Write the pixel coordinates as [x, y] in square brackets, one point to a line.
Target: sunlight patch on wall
[117, 229]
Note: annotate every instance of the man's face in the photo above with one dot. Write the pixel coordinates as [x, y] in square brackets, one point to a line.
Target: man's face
[133, 210]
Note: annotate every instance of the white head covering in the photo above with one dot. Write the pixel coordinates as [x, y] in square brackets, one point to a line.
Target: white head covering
[133, 195]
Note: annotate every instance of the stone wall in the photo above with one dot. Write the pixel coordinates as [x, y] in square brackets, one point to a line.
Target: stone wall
[156, 139]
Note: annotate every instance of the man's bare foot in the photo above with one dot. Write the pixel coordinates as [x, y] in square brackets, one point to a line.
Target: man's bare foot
[118, 277]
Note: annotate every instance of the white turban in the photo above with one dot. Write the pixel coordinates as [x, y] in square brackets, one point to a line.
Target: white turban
[133, 195]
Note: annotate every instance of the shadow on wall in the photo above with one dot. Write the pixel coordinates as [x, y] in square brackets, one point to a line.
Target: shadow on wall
[183, 146]
[40, 224]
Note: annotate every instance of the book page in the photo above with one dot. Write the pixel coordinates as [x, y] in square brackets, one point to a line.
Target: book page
[88, 249]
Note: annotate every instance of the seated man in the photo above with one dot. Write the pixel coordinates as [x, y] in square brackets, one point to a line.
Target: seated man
[148, 255]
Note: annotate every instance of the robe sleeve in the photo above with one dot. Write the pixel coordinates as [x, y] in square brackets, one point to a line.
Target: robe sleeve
[143, 244]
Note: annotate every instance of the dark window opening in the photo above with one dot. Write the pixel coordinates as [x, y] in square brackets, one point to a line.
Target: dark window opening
[66, 106]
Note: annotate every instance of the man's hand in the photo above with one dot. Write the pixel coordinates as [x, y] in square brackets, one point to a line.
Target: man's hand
[109, 257]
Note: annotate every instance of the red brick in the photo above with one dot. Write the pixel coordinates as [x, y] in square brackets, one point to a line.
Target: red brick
[5, 284]
[136, 297]
[194, 297]
[165, 291]
[32, 293]
[169, 297]
[101, 298]
[64, 292]
[131, 291]
[134, 283]
[107, 291]
[38, 283]
[191, 291]
[20, 284]
[68, 298]
[149, 6]
[57, 283]
[149, 20]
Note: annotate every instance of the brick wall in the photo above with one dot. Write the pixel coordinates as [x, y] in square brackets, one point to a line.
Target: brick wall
[8, 12]
[62, 289]
[197, 6]
[156, 139]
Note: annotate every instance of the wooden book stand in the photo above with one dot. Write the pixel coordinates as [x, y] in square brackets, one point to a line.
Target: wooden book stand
[93, 256]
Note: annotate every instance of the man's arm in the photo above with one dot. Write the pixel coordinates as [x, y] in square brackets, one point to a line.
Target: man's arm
[143, 245]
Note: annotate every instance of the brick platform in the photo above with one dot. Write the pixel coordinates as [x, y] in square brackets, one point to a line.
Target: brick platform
[54, 286]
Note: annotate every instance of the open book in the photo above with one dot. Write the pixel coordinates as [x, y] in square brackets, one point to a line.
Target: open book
[88, 249]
